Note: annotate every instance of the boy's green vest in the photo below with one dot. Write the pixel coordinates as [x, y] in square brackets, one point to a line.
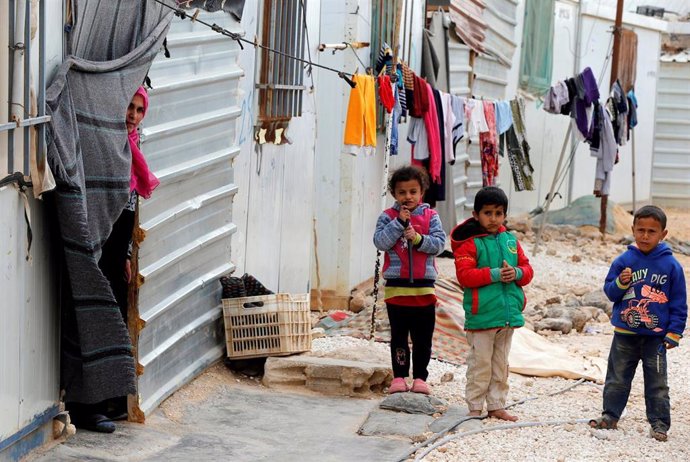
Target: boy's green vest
[497, 304]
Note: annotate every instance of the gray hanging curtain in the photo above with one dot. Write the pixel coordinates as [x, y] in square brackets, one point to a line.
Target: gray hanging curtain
[113, 44]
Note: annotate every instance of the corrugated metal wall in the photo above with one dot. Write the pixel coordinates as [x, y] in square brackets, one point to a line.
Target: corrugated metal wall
[490, 82]
[189, 139]
[459, 72]
[671, 164]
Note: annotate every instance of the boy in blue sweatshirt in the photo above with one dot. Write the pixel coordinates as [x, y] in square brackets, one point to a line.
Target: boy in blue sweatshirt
[647, 286]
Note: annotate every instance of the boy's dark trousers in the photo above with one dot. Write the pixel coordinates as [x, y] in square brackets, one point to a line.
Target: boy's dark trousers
[626, 353]
[418, 323]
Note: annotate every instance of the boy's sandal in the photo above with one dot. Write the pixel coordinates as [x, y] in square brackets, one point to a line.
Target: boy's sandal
[658, 435]
[604, 423]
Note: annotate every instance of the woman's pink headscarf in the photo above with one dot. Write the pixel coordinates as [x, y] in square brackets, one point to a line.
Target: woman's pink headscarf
[142, 180]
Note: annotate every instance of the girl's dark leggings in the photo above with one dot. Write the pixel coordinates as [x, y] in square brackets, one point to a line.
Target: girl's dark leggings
[416, 322]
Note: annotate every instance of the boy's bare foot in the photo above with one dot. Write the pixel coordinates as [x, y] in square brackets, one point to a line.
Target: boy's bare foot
[503, 415]
[474, 413]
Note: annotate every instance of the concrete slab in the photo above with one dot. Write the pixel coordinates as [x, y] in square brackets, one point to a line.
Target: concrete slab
[390, 423]
[239, 424]
[451, 416]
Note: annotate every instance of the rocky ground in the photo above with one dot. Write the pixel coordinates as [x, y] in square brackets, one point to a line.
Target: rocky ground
[566, 304]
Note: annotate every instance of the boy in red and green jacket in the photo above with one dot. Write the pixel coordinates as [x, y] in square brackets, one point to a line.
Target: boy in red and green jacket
[492, 269]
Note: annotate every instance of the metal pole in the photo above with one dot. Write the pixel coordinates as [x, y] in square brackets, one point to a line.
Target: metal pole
[27, 85]
[614, 77]
[41, 80]
[549, 198]
[578, 62]
[384, 191]
[12, 42]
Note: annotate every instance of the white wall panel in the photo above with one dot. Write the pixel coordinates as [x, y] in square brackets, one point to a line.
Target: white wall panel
[671, 167]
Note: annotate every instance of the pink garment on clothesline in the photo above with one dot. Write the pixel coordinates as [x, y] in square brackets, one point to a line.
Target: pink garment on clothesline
[434, 138]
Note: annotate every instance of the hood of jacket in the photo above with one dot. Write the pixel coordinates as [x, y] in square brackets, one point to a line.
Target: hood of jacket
[468, 229]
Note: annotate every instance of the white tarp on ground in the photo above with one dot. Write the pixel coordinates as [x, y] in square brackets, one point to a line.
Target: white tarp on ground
[533, 355]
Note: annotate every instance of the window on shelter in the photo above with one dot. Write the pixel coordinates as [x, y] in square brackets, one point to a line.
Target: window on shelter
[281, 79]
[536, 62]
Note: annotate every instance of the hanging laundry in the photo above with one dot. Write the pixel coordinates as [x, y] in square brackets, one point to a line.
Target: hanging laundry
[488, 145]
[384, 59]
[476, 117]
[627, 59]
[556, 98]
[514, 140]
[458, 107]
[430, 60]
[504, 116]
[435, 63]
[448, 126]
[605, 154]
[618, 104]
[567, 108]
[587, 93]
[437, 189]
[408, 82]
[417, 136]
[397, 110]
[386, 93]
[632, 107]
[434, 137]
[420, 98]
[402, 97]
[360, 124]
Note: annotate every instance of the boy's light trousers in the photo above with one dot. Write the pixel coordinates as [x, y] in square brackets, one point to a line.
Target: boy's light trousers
[487, 369]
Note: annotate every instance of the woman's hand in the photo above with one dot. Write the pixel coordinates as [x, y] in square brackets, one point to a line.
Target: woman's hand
[128, 270]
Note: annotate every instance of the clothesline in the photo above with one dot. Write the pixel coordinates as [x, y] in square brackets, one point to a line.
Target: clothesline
[603, 127]
[439, 120]
[181, 13]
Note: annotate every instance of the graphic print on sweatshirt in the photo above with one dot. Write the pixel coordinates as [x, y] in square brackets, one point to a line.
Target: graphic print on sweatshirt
[637, 313]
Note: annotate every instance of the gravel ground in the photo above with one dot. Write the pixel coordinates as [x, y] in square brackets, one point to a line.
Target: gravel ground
[573, 266]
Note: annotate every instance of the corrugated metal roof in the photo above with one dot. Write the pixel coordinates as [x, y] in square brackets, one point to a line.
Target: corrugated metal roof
[190, 143]
[467, 15]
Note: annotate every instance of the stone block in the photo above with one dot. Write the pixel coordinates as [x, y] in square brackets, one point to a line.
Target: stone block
[328, 376]
[414, 403]
[389, 423]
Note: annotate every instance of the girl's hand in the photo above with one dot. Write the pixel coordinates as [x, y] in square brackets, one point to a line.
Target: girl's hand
[404, 214]
[410, 233]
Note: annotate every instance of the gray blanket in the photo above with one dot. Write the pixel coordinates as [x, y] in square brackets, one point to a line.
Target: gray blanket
[112, 45]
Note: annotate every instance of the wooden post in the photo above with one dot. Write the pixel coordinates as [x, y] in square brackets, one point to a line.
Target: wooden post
[634, 188]
[614, 76]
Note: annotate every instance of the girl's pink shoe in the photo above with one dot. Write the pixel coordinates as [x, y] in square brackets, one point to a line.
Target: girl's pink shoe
[398, 385]
[420, 386]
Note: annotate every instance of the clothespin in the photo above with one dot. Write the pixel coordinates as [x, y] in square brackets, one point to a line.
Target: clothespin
[349, 81]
